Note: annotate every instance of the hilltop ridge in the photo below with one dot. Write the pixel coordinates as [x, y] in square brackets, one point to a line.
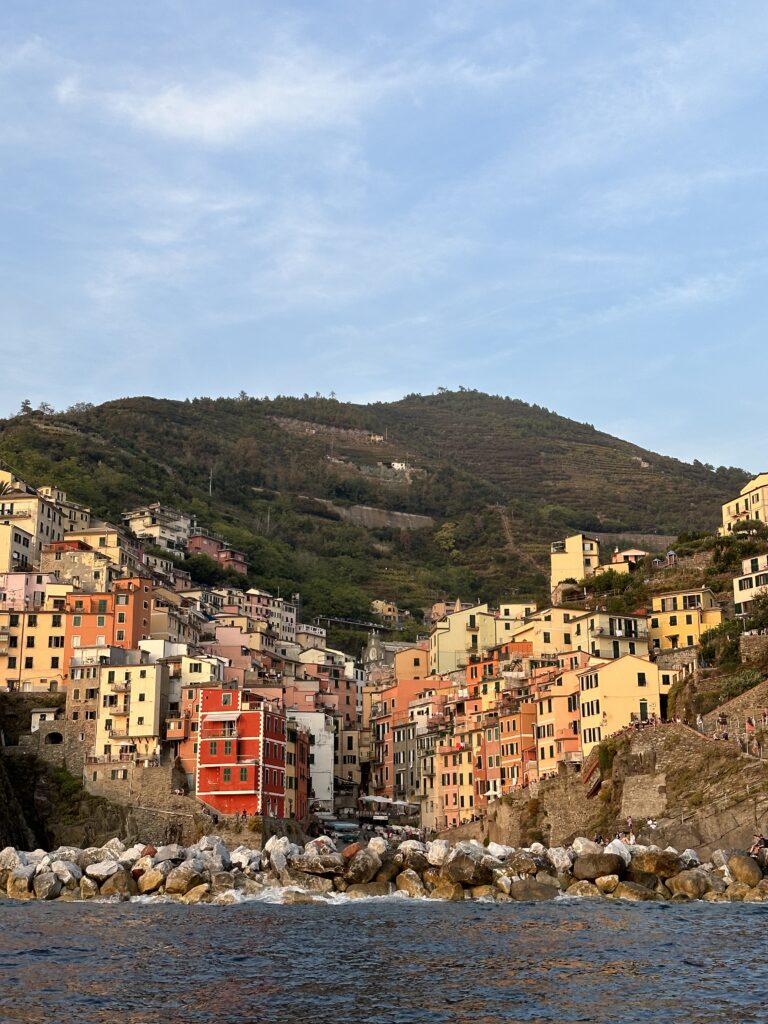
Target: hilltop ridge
[498, 479]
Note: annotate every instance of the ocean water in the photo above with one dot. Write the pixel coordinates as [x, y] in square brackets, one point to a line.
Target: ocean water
[383, 960]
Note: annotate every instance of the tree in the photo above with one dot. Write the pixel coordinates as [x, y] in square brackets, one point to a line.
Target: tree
[46, 409]
[26, 407]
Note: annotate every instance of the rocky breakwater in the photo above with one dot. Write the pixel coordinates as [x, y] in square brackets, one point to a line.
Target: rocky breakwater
[208, 872]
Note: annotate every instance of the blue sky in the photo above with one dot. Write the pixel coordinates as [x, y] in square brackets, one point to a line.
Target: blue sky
[560, 201]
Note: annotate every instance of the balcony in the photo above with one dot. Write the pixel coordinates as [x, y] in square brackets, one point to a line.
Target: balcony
[122, 687]
[120, 712]
[118, 734]
[218, 732]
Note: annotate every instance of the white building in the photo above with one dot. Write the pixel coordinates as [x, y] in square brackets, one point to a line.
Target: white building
[321, 755]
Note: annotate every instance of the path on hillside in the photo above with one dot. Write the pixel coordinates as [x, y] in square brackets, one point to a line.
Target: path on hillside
[511, 545]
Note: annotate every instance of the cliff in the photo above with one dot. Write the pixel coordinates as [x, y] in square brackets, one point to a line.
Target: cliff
[702, 792]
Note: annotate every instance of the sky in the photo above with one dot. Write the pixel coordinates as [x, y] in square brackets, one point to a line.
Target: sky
[564, 202]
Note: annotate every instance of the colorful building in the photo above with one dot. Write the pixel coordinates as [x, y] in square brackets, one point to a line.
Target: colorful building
[241, 752]
[678, 619]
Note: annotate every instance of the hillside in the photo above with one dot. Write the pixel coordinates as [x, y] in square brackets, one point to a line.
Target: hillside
[499, 478]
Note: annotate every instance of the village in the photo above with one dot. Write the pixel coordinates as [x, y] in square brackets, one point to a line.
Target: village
[224, 696]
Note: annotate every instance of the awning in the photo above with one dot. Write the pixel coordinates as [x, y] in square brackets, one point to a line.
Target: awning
[221, 716]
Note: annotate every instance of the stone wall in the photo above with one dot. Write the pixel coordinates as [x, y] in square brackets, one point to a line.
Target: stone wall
[753, 646]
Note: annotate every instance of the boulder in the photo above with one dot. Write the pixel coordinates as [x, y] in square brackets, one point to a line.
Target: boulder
[47, 886]
[453, 892]
[378, 844]
[93, 855]
[19, 884]
[323, 844]
[199, 894]
[248, 887]
[88, 888]
[68, 873]
[152, 880]
[502, 881]
[431, 877]
[120, 884]
[633, 891]
[689, 859]
[657, 862]
[437, 852]
[361, 889]
[582, 888]
[312, 883]
[388, 871]
[416, 860]
[521, 863]
[292, 898]
[715, 897]
[172, 852]
[141, 865]
[227, 899]
[113, 847]
[148, 851]
[498, 851]
[464, 865]
[736, 891]
[222, 881]
[101, 870]
[692, 883]
[642, 877]
[582, 846]
[483, 892]
[620, 849]
[412, 844]
[363, 867]
[340, 885]
[560, 859]
[10, 859]
[545, 878]
[410, 883]
[243, 856]
[350, 850]
[529, 889]
[183, 878]
[607, 883]
[66, 853]
[589, 866]
[745, 869]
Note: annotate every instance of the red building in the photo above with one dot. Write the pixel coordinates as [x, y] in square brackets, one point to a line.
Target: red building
[117, 619]
[241, 752]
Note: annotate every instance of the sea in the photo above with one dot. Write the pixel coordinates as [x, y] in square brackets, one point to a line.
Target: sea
[383, 960]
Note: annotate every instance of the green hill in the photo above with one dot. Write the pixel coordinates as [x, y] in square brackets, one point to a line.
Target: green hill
[500, 479]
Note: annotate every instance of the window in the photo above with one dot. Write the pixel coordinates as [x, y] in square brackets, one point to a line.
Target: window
[30, 641]
[77, 620]
[227, 746]
[641, 679]
[567, 639]
[226, 700]
[29, 663]
[214, 747]
[54, 662]
[32, 621]
[56, 621]
[243, 774]
[673, 620]
[140, 721]
[227, 775]
[101, 620]
[120, 634]
[121, 616]
[142, 696]
[547, 638]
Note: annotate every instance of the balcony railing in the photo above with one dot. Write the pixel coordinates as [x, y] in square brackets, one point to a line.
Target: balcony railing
[218, 732]
[119, 734]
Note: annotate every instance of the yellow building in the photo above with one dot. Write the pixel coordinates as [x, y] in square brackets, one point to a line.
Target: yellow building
[412, 663]
[17, 547]
[132, 702]
[752, 503]
[574, 558]
[32, 645]
[459, 636]
[552, 631]
[614, 694]
[678, 619]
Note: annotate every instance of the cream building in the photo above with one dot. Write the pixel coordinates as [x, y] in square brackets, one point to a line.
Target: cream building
[17, 547]
[160, 525]
[752, 503]
[73, 516]
[132, 703]
[752, 583]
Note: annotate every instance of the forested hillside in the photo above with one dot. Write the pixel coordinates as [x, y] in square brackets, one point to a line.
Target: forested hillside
[500, 478]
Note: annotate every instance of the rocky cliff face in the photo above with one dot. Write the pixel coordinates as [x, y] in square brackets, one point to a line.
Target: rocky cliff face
[702, 792]
[14, 827]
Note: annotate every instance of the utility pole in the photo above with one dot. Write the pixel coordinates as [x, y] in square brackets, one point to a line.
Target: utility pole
[210, 482]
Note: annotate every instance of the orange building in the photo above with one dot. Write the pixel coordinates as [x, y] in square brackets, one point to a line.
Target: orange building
[117, 619]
